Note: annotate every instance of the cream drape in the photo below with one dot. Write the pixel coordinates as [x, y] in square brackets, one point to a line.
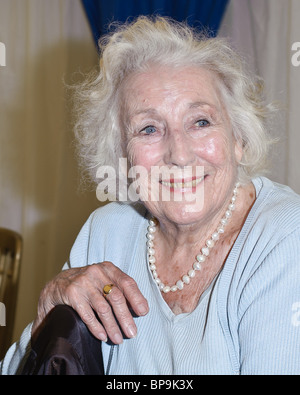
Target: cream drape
[264, 32]
[46, 42]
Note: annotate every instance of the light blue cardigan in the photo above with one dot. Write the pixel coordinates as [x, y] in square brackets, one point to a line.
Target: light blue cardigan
[247, 322]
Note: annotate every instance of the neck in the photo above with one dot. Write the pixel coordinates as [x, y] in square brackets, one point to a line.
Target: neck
[183, 237]
[176, 244]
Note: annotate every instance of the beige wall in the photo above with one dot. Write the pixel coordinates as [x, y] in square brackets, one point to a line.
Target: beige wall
[264, 31]
[46, 43]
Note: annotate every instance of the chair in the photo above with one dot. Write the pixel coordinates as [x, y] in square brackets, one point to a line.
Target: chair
[10, 259]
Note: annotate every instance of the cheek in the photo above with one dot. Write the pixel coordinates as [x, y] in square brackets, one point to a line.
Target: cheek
[140, 154]
[215, 149]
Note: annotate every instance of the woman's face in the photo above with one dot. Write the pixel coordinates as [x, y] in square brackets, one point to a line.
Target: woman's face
[177, 131]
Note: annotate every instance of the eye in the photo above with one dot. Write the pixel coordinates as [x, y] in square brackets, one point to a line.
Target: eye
[202, 123]
[148, 130]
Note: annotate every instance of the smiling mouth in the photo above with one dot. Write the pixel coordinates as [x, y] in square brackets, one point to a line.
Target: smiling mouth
[176, 184]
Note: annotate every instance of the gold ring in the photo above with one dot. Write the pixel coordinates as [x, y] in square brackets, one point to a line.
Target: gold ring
[107, 289]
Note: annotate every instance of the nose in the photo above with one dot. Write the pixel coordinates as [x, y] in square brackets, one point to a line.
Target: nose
[179, 151]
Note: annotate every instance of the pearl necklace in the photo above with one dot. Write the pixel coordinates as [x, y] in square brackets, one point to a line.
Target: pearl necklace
[205, 251]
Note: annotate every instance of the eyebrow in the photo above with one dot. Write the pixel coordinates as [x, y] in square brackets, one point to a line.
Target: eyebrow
[142, 111]
[202, 104]
[154, 111]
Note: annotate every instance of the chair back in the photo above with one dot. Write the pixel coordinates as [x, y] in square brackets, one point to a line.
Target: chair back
[10, 259]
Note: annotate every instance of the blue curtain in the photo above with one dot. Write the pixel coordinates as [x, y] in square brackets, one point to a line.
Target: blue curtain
[197, 13]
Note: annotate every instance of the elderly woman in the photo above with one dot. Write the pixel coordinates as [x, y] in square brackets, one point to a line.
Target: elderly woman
[205, 281]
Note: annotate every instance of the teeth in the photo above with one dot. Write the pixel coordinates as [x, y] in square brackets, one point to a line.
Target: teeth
[188, 184]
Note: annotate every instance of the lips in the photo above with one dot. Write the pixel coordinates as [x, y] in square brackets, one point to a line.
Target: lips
[182, 184]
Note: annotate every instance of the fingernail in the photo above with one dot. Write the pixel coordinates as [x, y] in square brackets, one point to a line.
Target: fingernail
[131, 331]
[142, 309]
[118, 339]
[102, 337]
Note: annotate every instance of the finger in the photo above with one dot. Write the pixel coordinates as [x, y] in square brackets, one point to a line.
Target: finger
[122, 313]
[85, 294]
[79, 294]
[125, 293]
[107, 319]
[128, 287]
[88, 316]
[133, 295]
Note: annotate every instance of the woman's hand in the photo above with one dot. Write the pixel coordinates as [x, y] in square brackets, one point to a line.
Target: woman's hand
[82, 289]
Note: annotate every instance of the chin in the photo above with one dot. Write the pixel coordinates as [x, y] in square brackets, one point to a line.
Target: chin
[184, 214]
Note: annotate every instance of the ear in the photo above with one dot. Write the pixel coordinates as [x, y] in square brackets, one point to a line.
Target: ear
[238, 150]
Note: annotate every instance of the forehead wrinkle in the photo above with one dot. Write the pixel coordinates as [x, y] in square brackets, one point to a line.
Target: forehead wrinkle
[189, 106]
[201, 104]
[153, 111]
[139, 105]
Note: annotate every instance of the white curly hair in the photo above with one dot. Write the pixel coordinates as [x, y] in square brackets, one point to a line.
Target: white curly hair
[133, 46]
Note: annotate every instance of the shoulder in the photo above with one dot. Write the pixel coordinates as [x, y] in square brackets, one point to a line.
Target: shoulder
[277, 208]
[114, 222]
[259, 284]
[273, 223]
[107, 234]
[267, 254]
[116, 215]
[268, 243]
